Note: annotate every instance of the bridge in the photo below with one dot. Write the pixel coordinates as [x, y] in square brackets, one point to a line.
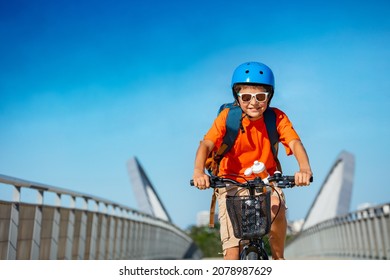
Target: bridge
[62, 224]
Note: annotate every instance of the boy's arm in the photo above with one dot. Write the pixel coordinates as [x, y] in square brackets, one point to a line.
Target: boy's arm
[201, 180]
[302, 177]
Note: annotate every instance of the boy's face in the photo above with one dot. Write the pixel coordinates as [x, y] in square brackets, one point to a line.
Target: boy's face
[253, 105]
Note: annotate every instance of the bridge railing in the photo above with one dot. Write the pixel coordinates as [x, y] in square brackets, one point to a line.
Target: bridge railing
[363, 234]
[39, 221]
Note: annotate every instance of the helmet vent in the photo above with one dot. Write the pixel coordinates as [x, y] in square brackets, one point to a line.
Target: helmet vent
[261, 72]
[247, 71]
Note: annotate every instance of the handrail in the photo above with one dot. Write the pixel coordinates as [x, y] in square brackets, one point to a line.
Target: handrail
[17, 182]
[362, 234]
[122, 225]
[44, 187]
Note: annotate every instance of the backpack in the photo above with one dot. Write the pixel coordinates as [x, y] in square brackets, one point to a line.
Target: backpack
[233, 125]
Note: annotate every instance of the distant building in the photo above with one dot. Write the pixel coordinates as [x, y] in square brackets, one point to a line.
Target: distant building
[203, 218]
[294, 227]
[364, 206]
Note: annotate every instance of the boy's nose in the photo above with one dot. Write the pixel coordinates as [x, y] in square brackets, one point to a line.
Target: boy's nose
[253, 100]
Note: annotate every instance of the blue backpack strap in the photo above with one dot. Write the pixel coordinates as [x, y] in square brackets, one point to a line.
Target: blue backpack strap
[226, 105]
[233, 124]
[270, 123]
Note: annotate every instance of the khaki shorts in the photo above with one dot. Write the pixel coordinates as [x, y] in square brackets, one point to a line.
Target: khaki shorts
[227, 235]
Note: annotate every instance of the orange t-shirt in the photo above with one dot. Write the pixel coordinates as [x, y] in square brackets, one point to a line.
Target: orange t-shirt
[251, 145]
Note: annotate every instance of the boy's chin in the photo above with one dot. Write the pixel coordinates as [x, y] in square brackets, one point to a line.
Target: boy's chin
[255, 115]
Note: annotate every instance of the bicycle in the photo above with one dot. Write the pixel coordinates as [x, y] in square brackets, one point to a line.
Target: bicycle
[251, 214]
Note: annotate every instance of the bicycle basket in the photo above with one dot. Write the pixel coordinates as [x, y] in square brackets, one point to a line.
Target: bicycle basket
[250, 215]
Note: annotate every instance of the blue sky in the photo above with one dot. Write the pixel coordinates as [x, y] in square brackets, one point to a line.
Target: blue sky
[85, 85]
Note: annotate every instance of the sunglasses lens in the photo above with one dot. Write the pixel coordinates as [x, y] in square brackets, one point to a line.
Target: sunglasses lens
[261, 97]
[246, 97]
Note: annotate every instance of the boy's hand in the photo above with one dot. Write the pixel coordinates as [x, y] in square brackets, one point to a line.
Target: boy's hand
[302, 177]
[201, 180]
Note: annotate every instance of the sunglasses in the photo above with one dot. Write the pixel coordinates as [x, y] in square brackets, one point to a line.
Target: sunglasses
[260, 96]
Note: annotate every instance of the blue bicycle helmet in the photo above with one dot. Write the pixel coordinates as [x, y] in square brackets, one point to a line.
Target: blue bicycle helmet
[253, 73]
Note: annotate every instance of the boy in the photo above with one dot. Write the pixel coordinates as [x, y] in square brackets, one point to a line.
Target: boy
[253, 88]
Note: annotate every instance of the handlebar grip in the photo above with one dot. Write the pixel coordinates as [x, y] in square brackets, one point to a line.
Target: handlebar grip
[292, 178]
[215, 182]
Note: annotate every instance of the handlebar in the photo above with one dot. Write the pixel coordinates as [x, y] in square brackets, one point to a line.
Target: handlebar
[278, 180]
